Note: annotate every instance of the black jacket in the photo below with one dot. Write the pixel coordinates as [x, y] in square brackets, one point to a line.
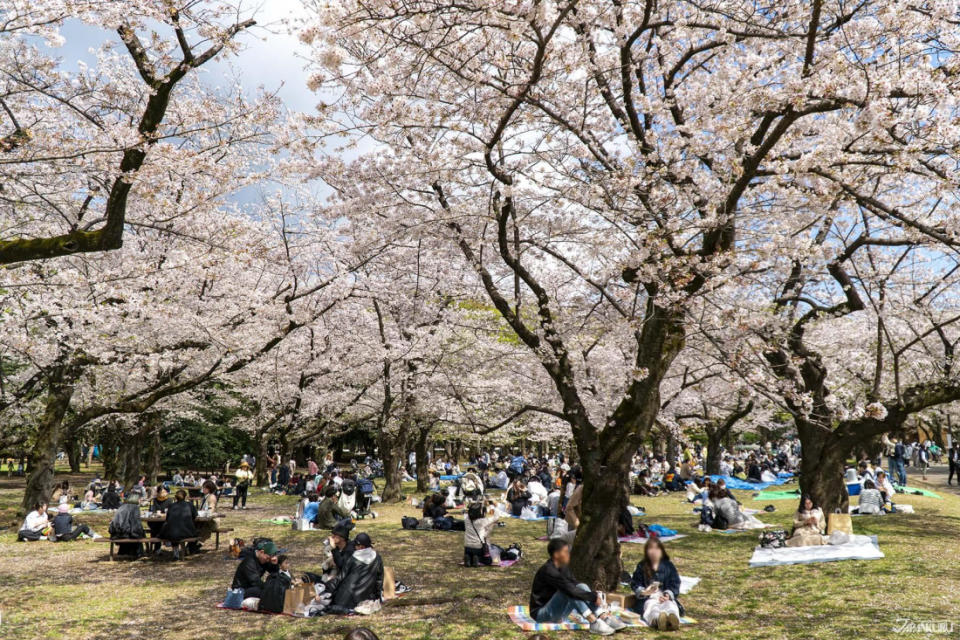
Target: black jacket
[62, 524]
[518, 500]
[160, 506]
[666, 574]
[110, 500]
[340, 557]
[549, 580]
[274, 592]
[179, 523]
[360, 579]
[126, 522]
[249, 572]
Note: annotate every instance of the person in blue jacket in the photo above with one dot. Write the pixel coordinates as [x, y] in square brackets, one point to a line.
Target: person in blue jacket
[656, 583]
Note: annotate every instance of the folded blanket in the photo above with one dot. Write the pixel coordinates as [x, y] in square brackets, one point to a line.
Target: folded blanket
[520, 616]
[861, 550]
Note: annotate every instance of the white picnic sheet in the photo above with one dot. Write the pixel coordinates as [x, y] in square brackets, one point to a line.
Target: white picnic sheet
[687, 583]
[856, 550]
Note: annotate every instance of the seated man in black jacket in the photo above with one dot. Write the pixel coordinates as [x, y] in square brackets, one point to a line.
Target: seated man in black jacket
[361, 577]
[249, 574]
[556, 594]
[343, 547]
[179, 524]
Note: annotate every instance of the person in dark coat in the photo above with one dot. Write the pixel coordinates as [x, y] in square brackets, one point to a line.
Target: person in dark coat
[63, 526]
[343, 547]
[111, 499]
[656, 583]
[518, 497]
[159, 505]
[556, 594]
[179, 523]
[253, 564]
[126, 524]
[361, 577]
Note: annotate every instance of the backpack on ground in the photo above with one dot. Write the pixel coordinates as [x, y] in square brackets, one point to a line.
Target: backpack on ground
[775, 539]
[409, 522]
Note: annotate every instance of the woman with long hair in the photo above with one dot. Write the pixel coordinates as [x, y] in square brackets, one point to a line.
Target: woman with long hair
[808, 524]
[656, 583]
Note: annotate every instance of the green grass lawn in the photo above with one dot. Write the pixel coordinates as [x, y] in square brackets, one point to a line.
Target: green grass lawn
[71, 590]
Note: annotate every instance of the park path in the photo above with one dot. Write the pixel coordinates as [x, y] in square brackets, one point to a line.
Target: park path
[936, 478]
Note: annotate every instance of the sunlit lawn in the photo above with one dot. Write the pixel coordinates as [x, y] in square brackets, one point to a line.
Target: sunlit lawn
[71, 590]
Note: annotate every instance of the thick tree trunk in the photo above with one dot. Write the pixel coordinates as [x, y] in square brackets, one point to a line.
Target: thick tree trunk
[261, 467]
[392, 458]
[423, 459]
[596, 556]
[109, 441]
[821, 467]
[43, 456]
[153, 449]
[714, 438]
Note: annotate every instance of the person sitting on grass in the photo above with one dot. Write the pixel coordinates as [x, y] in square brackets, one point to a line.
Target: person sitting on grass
[518, 497]
[808, 525]
[434, 506]
[253, 564]
[360, 579]
[871, 501]
[885, 487]
[126, 525]
[63, 526]
[329, 513]
[343, 548]
[556, 594]
[179, 524]
[477, 526]
[656, 583]
[35, 524]
[111, 498]
[310, 507]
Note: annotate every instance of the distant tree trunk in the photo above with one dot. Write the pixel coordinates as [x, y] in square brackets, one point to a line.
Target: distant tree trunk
[152, 459]
[392, 475]
[261, 466]
[109, 445]
[43, 456]
[423, 459]
[74, 456]
[718, 431]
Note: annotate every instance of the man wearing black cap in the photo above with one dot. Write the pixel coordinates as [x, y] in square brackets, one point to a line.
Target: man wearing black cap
[249, 574]
[361, 577]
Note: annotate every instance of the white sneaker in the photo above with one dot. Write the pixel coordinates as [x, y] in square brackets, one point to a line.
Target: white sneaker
[600, 628]
[614, 623]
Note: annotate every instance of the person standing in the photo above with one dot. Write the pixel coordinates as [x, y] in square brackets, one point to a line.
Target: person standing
[244, 478]
[900, 459]
[953, 458]
[555, 593]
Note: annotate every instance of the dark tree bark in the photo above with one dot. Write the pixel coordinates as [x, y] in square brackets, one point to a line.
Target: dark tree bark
[391, 450]
[423, 459]
[43, 456]
[718, 432]
[74, 456]
[153, 448]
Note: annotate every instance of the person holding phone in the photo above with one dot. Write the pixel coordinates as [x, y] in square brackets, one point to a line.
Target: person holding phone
[656, 583]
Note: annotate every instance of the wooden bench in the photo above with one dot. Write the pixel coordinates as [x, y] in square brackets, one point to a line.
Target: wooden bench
[217, 534]
[180, 545]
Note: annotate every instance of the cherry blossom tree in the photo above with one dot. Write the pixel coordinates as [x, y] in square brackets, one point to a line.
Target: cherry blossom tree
[80, 149]
[601, 166]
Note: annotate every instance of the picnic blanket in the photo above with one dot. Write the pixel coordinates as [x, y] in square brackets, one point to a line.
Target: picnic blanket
[269, 613]
[636, 539]
[857, 550]
[520, 616]
[778, 495]
[504, 564]
[915, 491]
[746, 485]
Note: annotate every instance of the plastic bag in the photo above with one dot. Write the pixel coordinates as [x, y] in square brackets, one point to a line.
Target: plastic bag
[557, 528]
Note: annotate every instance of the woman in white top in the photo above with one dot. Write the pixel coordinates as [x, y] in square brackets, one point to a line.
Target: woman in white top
[476, 528]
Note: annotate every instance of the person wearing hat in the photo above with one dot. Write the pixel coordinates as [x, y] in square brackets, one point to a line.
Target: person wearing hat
[343, 547]
[249, 573]
[63, 525]
[360, 579]
[244, 479]
[126, 524]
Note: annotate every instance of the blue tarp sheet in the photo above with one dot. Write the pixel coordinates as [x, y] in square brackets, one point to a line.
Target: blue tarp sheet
[744, 485]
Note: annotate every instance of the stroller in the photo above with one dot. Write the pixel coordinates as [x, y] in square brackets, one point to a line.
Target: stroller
[364, 498]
